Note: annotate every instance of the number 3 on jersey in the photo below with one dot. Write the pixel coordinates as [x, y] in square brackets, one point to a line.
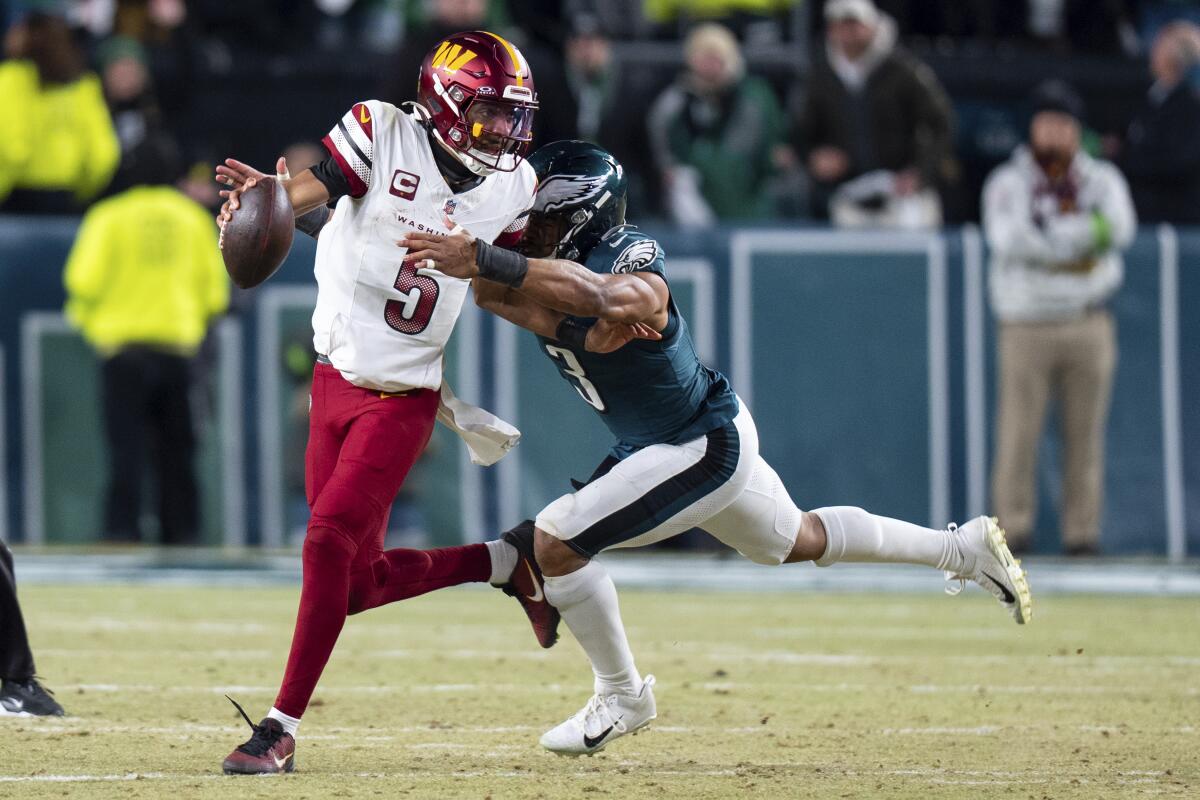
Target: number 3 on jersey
[572, 367]
[411, 313]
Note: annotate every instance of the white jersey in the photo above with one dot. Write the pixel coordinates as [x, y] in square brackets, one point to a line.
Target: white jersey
[1050, 259]
[382, 326]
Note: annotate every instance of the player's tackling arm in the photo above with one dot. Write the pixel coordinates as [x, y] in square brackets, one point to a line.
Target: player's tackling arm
[513, 306]
[574, 289]
[552, 283]
[506, 303]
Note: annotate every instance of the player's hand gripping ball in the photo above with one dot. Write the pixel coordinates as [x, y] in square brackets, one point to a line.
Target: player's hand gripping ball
[257, 225]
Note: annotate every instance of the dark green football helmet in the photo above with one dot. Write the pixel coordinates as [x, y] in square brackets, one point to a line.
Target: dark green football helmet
[580, 197]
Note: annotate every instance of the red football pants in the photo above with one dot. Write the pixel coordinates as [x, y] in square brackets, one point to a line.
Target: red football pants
[361, 445]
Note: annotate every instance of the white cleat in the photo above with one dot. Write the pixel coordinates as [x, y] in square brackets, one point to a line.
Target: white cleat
[988, 561]
[604, 718]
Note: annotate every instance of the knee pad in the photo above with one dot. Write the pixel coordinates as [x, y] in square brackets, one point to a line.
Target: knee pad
[355, 514]
[327, 546]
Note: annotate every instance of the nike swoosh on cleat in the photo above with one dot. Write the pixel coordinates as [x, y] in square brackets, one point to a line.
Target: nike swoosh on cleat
[589, 742]
[1008, 596]
[279, 762]
[538, 596]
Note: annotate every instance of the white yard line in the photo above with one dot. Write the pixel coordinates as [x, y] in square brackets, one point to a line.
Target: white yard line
[319, 733]
[402, 687]
[131, 776]
[693, 649]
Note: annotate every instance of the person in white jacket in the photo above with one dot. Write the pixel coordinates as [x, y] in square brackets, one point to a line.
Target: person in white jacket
[1056, 221]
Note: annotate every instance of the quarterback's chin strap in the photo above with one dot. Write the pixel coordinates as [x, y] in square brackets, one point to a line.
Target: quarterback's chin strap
[454, 168]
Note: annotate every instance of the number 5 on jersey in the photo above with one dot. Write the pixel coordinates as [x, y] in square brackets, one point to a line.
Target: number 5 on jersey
[412, 312]
[572, 367]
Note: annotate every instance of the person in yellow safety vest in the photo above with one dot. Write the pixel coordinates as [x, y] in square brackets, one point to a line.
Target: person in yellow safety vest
[144, 279]
[661, 12]
[58, 148]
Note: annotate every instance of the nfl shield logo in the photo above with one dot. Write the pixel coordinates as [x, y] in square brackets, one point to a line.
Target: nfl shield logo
[451, 204]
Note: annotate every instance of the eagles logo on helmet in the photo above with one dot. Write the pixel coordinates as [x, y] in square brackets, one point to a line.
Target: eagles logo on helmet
[478, 92]
[560, 191]
[580, 196]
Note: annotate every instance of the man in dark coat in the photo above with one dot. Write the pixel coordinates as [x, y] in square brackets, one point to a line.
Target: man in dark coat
[871, 105]
[1161, 157]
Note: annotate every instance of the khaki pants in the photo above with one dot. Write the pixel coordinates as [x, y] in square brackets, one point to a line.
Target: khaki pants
[1073, 362]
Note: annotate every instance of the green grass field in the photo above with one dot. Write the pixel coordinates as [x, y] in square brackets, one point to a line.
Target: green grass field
[796, 696]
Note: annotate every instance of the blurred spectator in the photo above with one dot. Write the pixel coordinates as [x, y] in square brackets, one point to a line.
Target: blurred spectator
[1161, 155]
[714, 134]
[127, 88]
[598, 89]
[57, 145]
[756, 21]
[144, 279]
[20, 692]
[148, 20]
[591, 75]
[1056, 221]
[873, 107]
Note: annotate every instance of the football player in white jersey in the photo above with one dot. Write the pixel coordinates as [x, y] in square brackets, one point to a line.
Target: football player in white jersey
[379, 328]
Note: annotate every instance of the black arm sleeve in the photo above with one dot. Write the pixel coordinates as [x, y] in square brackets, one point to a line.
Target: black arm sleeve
[330, 175]
[311, 222]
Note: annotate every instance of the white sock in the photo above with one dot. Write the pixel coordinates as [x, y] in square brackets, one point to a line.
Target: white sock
[854, 535]
[504, 560]
[587, 600]
[290, 724]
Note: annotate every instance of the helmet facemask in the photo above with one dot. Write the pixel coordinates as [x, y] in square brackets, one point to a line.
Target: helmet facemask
[544, 236]
[493, 134]
[569, 233]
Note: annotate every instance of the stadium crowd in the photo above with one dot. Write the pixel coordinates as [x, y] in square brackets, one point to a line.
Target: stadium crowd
[889, 113]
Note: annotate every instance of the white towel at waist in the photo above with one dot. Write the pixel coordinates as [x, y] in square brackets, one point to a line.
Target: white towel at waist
[488, 438]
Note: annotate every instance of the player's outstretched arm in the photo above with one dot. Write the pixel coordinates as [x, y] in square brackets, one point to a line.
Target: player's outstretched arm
[553, 283]
[304, 191]
[572, 288]
[508, 304]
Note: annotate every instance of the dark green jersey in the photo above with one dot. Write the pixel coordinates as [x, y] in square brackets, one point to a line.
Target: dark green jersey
[646, 392]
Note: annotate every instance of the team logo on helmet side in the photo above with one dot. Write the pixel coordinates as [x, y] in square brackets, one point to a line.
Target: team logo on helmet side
[451, 57]
[561, 191]
[638, 255]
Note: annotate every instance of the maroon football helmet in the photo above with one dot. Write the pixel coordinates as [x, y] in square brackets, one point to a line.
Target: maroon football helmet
[478, 90]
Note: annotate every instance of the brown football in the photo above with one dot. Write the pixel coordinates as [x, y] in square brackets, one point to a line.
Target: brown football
[258, 238]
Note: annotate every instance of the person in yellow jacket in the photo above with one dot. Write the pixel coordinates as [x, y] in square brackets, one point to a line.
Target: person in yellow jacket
[144, 279]
[58, 148]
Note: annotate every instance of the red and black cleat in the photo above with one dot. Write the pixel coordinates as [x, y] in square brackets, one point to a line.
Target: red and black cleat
[269, 750]
[527, 585]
